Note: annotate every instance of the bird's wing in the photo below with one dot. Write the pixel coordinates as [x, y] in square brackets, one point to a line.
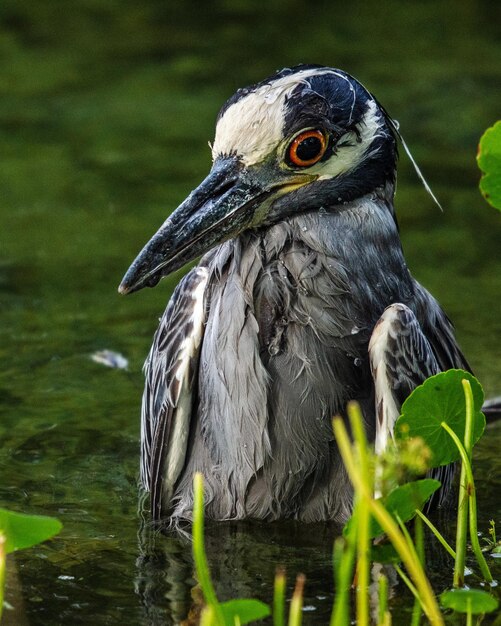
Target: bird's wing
[170, 372]
[401, 358]
[403, 353]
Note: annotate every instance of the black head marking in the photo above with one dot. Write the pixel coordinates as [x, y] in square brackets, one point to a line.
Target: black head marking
[245, 91]
[332, 99]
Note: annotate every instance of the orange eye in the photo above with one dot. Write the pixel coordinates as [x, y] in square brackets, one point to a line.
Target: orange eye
[307, 148]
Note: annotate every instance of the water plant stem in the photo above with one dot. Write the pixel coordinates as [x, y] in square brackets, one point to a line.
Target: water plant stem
[408, 582]
[363, 515]
[207, 616]
[199, 557]
[408, 538]
[2, 570]
[419, 543]
[279, 598]
[389, 525]
[463, 501]
[295, 613]
[343, 561]
[469, 486]
[382, 599]
[436, 532]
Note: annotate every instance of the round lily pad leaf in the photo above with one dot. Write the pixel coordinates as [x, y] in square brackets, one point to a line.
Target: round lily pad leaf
[441, 399]
[473, 601]
[246, 610]
[23, 531]
[489, 161]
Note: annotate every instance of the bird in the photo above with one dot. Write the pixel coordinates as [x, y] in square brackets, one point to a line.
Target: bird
[301, 302]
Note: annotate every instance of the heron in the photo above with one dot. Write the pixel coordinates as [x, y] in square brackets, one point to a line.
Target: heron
[301, 302]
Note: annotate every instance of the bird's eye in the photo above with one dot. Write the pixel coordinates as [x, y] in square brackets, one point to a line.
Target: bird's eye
[307, 148]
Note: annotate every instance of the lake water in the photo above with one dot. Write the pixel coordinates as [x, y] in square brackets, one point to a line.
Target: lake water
[106, 109]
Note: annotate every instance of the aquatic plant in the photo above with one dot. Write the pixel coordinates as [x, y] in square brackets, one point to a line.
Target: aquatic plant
[489, 161]
[440, 423]
[19, 531]
[217, 613]
[442, 419]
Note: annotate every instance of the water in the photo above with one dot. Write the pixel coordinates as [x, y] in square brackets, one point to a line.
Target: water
[105, 114]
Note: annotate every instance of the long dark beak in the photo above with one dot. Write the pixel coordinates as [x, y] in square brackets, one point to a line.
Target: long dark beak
[218, 210]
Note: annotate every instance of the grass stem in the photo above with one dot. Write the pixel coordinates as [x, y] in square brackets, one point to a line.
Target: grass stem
[207, 616]
[343, 561]
[389, 525]
[469, 487]
[363, 515]
[279, 598]
[463, 502]
[296, 610]
[461, 531]
[408, 583]
[199, 556]
[436, 532]
[382, 589]
[419, 543]
[2, 570]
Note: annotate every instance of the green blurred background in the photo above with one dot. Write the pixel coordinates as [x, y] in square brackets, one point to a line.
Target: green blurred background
[106, 108]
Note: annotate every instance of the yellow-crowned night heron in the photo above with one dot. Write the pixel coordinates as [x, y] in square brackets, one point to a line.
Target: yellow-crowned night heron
[301, 302]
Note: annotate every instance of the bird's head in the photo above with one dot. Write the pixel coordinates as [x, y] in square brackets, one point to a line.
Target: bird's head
[305, 138]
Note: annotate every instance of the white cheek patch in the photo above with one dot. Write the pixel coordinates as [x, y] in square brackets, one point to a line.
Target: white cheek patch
[350, 156]
[252, 127]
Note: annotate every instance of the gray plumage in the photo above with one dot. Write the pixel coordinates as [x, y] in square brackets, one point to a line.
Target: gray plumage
[285, 319]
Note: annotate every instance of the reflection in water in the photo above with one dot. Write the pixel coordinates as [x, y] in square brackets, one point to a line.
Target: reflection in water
[164, 574]
[243, 557]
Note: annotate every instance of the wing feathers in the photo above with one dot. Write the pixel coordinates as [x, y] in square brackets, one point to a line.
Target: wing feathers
[167, 398]
[401, 359]
[402, 355]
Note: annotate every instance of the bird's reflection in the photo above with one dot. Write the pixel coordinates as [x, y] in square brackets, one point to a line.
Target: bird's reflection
[243, 557]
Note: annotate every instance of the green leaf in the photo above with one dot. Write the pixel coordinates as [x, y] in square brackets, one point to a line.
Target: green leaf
[23, 531]
[441, 399]
[469, 601]
[247, 611]
[385, 553]
[489, 161]
[402, 502]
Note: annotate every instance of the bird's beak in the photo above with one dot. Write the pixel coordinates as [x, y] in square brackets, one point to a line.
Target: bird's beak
[224, 204]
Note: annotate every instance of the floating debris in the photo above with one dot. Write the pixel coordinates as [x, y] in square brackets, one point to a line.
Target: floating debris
[110, 359]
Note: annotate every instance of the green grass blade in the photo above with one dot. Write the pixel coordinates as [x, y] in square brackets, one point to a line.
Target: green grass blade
[363, 516]
[199, 556]
[469, 489]
[389, 525]
[382, 587]
[296, 610]
[436, 532]
[2, 571]
[279, 598]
